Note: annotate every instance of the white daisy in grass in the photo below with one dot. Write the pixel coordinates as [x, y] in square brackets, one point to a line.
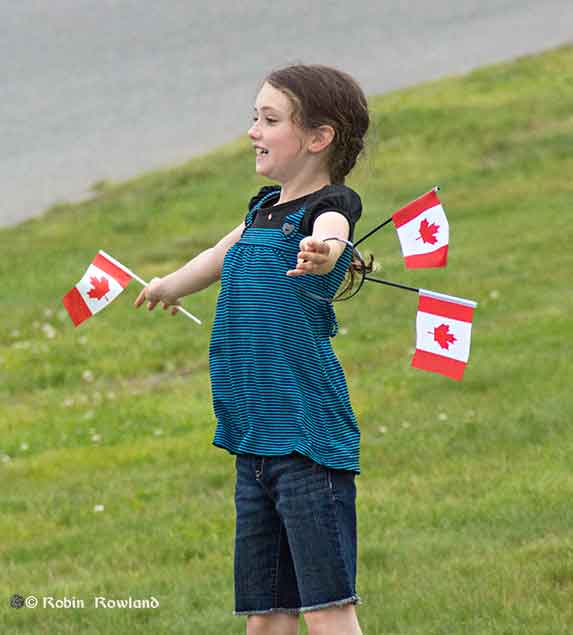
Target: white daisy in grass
[49, 331]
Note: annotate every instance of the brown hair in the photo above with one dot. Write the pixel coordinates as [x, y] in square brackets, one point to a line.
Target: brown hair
[356, 266]
[322, 95]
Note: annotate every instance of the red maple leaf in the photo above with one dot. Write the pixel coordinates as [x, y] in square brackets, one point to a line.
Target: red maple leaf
[443, 336]
[99, 287]
[428, 232]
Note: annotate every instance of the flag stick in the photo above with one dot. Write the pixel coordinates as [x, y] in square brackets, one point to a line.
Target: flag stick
[371, 232]
[436, 188]
[176, 306]
[143, 283]
[392, 284]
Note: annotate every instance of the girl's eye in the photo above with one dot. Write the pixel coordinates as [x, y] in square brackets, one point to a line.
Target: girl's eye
[267, 119]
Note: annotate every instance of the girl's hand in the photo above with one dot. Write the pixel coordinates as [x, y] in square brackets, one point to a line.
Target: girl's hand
[154, 294]
[313, 257]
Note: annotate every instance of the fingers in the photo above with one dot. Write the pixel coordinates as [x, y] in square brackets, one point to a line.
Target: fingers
[299, 271]
[153, 303]
[310, 261]
[310, 244]
[140, 299]
[314, 251]
[303, 266]
[174, 308]
[311, 258]
[314, 257]
[143, 295]
[153, 294]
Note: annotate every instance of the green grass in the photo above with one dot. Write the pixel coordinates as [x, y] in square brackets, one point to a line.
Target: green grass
[465, 508]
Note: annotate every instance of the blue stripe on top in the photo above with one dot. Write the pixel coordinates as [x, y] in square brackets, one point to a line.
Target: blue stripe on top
[276, 382]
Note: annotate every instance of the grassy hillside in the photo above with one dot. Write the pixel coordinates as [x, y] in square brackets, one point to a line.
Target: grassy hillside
[110, 484]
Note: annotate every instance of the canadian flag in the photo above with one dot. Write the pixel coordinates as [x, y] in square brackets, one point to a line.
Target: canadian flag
[423, 232]
[443, 333]
[104, 280]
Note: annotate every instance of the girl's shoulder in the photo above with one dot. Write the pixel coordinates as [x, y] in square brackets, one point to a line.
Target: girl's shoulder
[338, 197]
[266, 189]
[332, 198]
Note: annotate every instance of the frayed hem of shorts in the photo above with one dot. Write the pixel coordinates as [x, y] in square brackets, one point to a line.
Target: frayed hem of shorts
[354, 599]
[267, 612]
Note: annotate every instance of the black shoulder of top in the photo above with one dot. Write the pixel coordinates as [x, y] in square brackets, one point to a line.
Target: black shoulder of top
[332, 198]
[267, 189]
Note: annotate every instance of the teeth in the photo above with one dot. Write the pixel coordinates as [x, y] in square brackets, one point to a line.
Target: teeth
[262, 151]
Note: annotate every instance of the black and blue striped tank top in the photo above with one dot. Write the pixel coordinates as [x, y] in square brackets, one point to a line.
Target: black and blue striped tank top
[276, 383]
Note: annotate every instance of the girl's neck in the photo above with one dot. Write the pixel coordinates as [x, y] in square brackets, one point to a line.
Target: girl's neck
[293, 190]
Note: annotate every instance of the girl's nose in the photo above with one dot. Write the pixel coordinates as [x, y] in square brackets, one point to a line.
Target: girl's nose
[254, 131]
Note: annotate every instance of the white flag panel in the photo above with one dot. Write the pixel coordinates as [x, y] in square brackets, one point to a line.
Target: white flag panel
[85, 285]
[409, 233]
[426, 325]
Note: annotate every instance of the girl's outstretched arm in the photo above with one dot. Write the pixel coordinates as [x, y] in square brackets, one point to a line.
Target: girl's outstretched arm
[197, 274]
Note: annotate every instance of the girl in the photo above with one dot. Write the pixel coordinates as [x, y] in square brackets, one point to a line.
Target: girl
[279, 393]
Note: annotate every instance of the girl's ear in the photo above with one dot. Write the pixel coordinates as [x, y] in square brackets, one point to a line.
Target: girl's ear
[321, 138]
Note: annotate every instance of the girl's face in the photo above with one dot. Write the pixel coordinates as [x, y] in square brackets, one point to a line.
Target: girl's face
[278, 142]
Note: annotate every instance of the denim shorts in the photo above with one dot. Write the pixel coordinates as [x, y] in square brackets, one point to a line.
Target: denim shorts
[295, 540]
